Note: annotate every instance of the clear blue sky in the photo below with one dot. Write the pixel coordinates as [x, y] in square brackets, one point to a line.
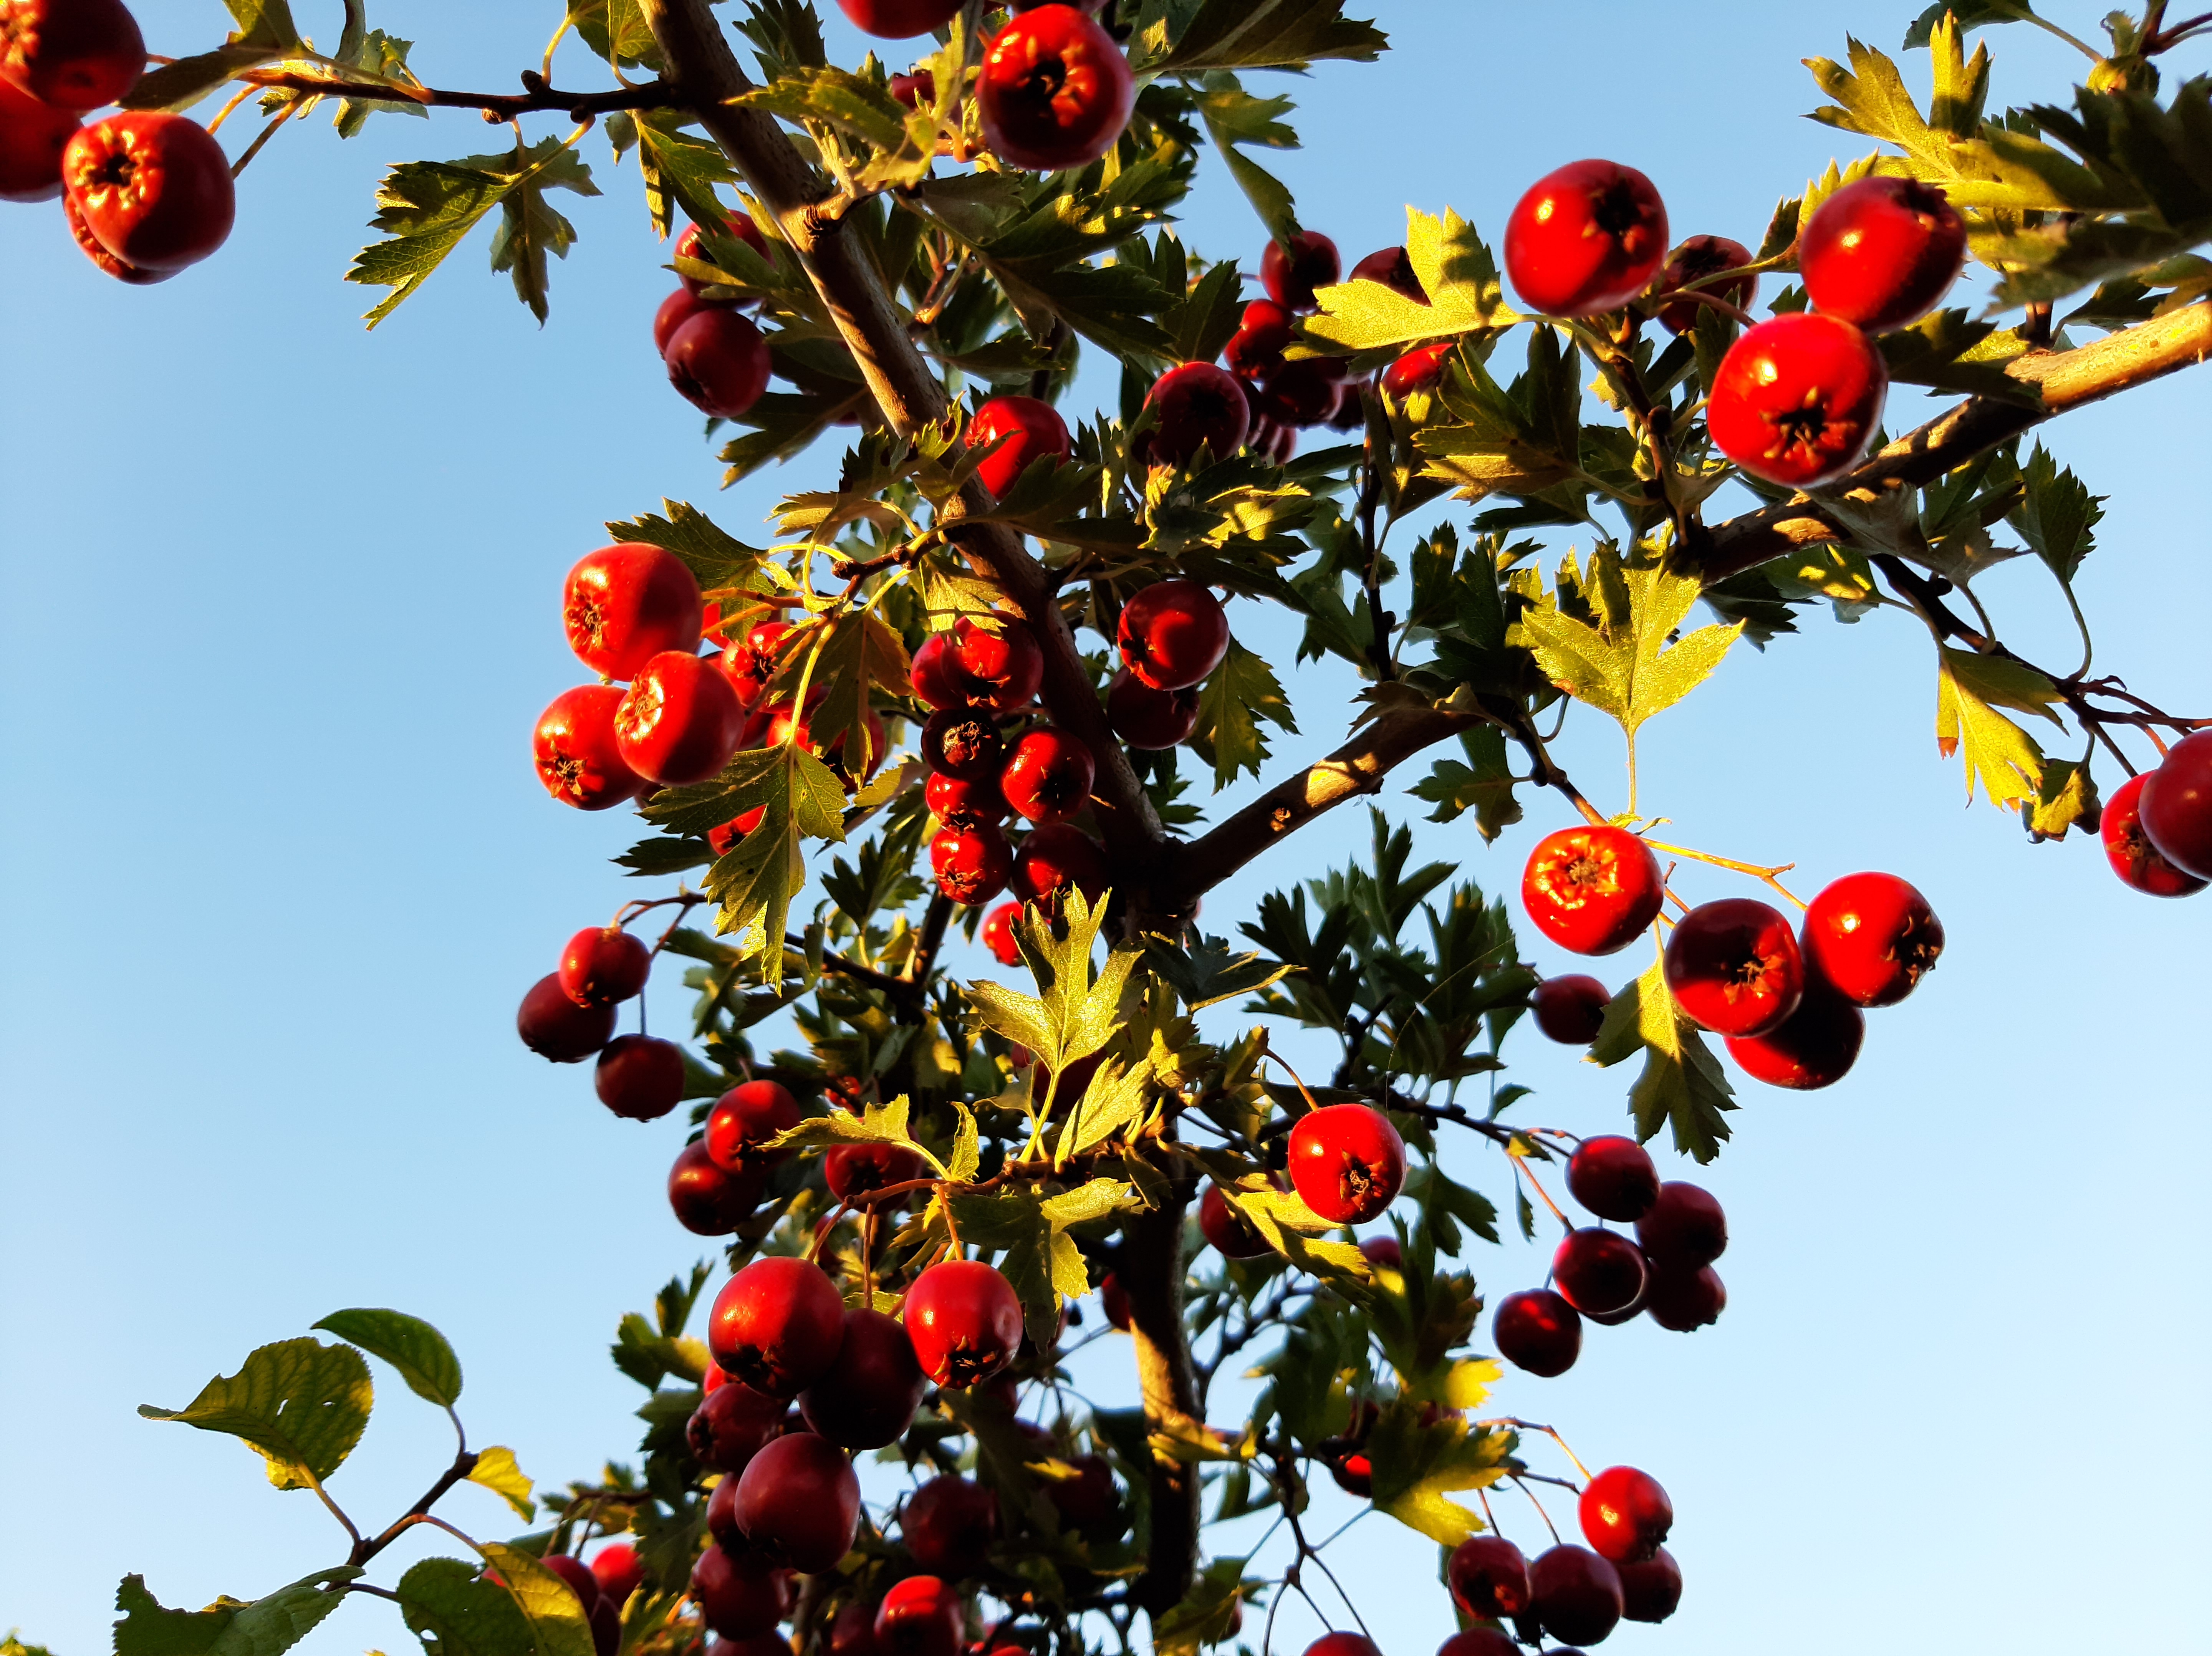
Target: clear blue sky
[280, 605]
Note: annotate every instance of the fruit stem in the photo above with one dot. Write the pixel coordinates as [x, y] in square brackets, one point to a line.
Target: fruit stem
[1521, 1170]
[1550, 1432]
[1539, 1505]
[1770, 876]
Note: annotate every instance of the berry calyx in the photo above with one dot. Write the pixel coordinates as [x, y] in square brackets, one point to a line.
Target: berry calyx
[1054, 90]
[740, 1594]
[1592, 890]
[639, 1077]
[152, 188]
[919, 1615]
[751, 663]
[1598, 1271]
[33, 137]
[1291, 271]
[854, 1170]
[72, 54]
[1048, 777]
[624, 604]
[1699, 257]
[1173, 634]
[738, 225]
[777, 1325]
[604, 965]
[1055, 861]
[1488, 1578]
[1575, 1595]
[719, 362]
[1571, 1010]
[1025, 428]
[963, 742]
[554, 1026]
[1814, 1047]
[711, 1201]
[1734, 966]
[1613, 1177]
[1797, 399]
[1586, 239]
[731, 1424]
[1420, 368]
[2133, 857]
[1882, 252]
[1684, 1229]
[1872, 937]
[1221, 1223]
[619, 1571]
[1347, 1161]
[869, 1395]
[948, 1524]
[575, 751]
[1393, 268]
[898, 19]
[1197, 408]
[680, 721]
[1147, 718]
[1681, 1300]
[798, 1500]
[964, 1321]
[1626, 1514]
[961, 805]
[1651, 1588]
[972, 865]
[745, 1119]
[2175, 805]
[999, 662]
[1538, 1330]
[999, 934]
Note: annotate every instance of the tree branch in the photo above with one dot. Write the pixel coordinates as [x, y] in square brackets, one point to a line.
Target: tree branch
[1152, 1272]
[496, 106]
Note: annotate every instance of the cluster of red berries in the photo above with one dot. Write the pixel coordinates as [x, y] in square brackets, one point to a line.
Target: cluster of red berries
[1666, 1273]
[602, 1588]
[146, 193]
[1345, 1161]
[715, 356]
[1788, 1002]
[569, 1014]
[2158, 827]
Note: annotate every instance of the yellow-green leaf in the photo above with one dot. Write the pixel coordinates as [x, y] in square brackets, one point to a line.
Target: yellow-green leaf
[547, 1603]
[302, 1405]
[496, 1470]
[2003, 760]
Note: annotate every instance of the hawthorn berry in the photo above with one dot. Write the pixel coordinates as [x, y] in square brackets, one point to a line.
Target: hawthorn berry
[1056, 860]
[1872, 937]
[963, 742]
[711, 1201]
[1586, 239]
[1575, 1595]
[1699, 257]
[719, 362]
[998, 662]
[1797, 399]
[731, 1424]
[937, 681]
[1684, 1229]
[898, 19]
[1383, 1250]
[1347, 1162]
[152, 188]
[916, 89]
[1114, 1300]
[33, 137]
[972, 865]
[1488, 1578]
[869, 1395]
[960, 805]
[674, 311]
[999, 934]
[964, 1321]
[1301, 393]
[1224, 1225]
[1651, 1588]
[722, 1503]
[1393, 268]
[1290, 271]
[777, 1325]
[1418, 370]
[1030, 429]
[771, 1643]
[578, 1578]
[919, 1615]
[2128, 850]
[575, 752]
[775, 725]
[1047, 776]
[624, 604]
[639, 1077]
[72, 54]
[1538, 1330]
[619, 1571]
[1197, 408]
[554, 1026]
[738, 225]
[1598, 1271]
[606, 1629]
[739, 1593]
[1087, 1500]
[604, 965]
[1147, 718]
[2175, 805]
[1263, 334]
[1481, 1641]
[1882, 252]
[1592, 890]
[1734, 966]
[798, 1500]
[751, 663]
[854, 1170]
[1571, 1010]
[743, 1120]
[1613, 1177]
[680, 722]
[1813, 1047]
[1054, 90]
[1684, 1298]
[948, 1524]
[1342, 1644]
[721, 837]
[1173, 634]
[1626, 1514]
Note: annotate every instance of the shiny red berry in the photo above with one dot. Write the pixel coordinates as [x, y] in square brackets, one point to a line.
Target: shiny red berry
[919, 1615]
[751, 663]
[1147, 718]
[740, 225]
[1087, 1500]
[1684, 1229]
[1872, 937]
[1025, 428]
[854, 1170]
[1263, 334]
[1220, 1223]
[1626, 1514]
[711, 1201]
[680, 722]
[1384, 1252]
[2128, 850]
[776, 724]
[1048, 777]
[869, 1397]
[619, 1571]
[1197, 409]
[1571, 1010]
[1882, 252]
[1054, 90]
[1651, 1588]
[745, 1119]
[1347, 1161]
[1538, 1330]
[898, 19]
[154, 189]
[1592, 890]
[1420, 368]
[776, 1326]
[916, 90]
[1342, 1644]
[1481, 1641]
[674, 311]
[1814, 1047]
[963, 742]
[798, 1500]
[1613, 1177]
[959, 804]
[639, 1077]
[948, 1524]
[575, 751]
[937, 681]
[604, 965]
[1173, 634]
[1797, 399]
[964, 1320]
[1291, 271]
[72, 54]
[1575, 1595]
[33, 137]
[624, 604]
[719, 362]
[1734, 966]
[1585, 239]
[1598, 1271]
[554, 1026]
[2176, 806]
[999, 662]
[999, 934]
[972, 865]
[1114, 1299]
[1393, 268]
[731, 1424]
[1685, 1298]
[1699, 257]
[739, 1593]
[1488, 1578]
[1055, 861]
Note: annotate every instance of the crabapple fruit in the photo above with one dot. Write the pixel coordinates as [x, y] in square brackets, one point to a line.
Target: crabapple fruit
[964, 1321]
[1538, 1330]
[1025, 428]
[711, 1201]
[1613, 1177]
[1571, 1010]
[1797, 399]
[777, 1325]
[1054, 90]
[1882, 252]
[604, 965]
[1684, 1229]
[2133, 857]
[1173, 634]
[625, 604]
[639, 1077]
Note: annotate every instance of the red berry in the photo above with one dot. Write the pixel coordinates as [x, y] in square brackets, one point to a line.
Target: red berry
[1383, 1250]
[1571, 1010]
[921, 1615]
[1147, 718]
[711, 1201]
[798, 1499]
[1592, 890]
[914, 89]
[949, 1526]
[963, 742]
[1488, 1578]
[152, 188]
[739, 1593]
[1598, 1271]
[88, 244]
[1685, 1229]
[577, 1576]
[740, 225]
[1256, 348]
[1197, 408]
[1393, 268]
[777, 1325]
[1301, 393]
[1173, 634]
[1538, 1330]
[1056, 860]
[619, 1571]
[1341, 1644]
[1480, 1642]
[971, 865]
[1418, 368]
[999, 934]
[674, 311]
[2176, 806]
[2132, 855]
[554, 1026]
[604, 965]
[680, 722]
[743, 1120]
[868, 1397]
[1087, 1500]
[719, 362]
[1030, 428]
[1702, 256]
[937, 680]
[775, 725]
[1882, 252]
[731, 1424]
[1586, 239]
[1681, 1298]
[1054, 90]
[1352, 1470]
[1651, 1588]
[1291, 271]
[1222, 1224]
[73, 54]
[1872, 937]
[1734, 966]
[1613, 1177]
[1626, 1514]
[1347, 1161]
[624, 604]
[639, 1077]
[959, 804]
[575, 751]
[33, 137]
[1575, 1595]
[1114, 1299]
[964, 1320]
[771, 1643]
[751, 663]
[720, 839]
[854, 1170]
[999, 664]
[1048, 777]
[1798, 399]
[898, 19]
[1814, 1047]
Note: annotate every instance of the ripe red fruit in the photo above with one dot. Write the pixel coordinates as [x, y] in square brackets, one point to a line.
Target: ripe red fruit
[964, 1320]
[1056, 860]
[1048, 777]
[1255, 350]
[898, 20]
[1114, 1299]
[1197, 407]
[1571, 1010]
[743, 1121]
[1029, 427]
[731, 1424]
[972, 865]
[1626, 1514]
[1685, 1229]
[711, 1201]
[624, 604]
[1882, 252]
[74, 54]
[1488, 1578]
[775, 725]
[913, 90]
[674, 311]
[1651, 1588]
[963, 742]
[771, 1643]
[680, 722]
[2128, 850]
[1383, 1250]
[1233, 1236]
[1682, 1298]
[1347, 1161]
[1872, 937]
[719, 362]
[854, 1170]
[1418, 368]
[577, 1576]
[949, 1526]
[639, 1077]
[1538, 1330]
[153, 189]
[1797, 399]
[1585, 239]
[1814, 1047]
[1598, 1271]
[999, 934]
[921, 1615]
[868, 1397]
[604, 965]
[1575, 1595]
[1173, 634]
[1734, 966]
[33, 137]
[1592, 890]
[1054, 90]
[1393, 268]
[2176, 806]
[554, 1026]
[1613, 1177]
[961, 804]
[1480, 1642]
[1087, 1500]
[798, 1500]
[750, 663]
[740, 225]
[739, 1593]
[1341, 1644]
[937, 681]
[619, 1571]
[575, 751]
[1291, 271]
[999, 664]
[1147, 718]
[777, 1325]
[1702, 256]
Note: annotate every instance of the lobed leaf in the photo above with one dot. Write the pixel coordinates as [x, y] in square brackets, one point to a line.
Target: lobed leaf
[301, 1404]
[267, 1626]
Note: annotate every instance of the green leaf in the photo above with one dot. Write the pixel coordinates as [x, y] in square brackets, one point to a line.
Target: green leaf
[1234, 116]
[679, 170]
[1239, 693]
[1969, 15]
[266, 23]
[410, 1345]
[716, 558]
[1483, 785]
[176, 87]
[967, 1146]
[2058, 517]
[1950, 353]
[1115, 1097]
[1211, 1613]
[548, 1604]
[1626, 667]
[880, 1124]
[1456, 270]
[529, 227]
[267, 1626]
[1174, 36]
[1208, 315]
[496, 1470]
[455, 1611]
[2003, 760]
[1208, 974]
[1072, 1016]
[1416, 1466]
[302, 1405]
[1682, 1082]
[618, 31]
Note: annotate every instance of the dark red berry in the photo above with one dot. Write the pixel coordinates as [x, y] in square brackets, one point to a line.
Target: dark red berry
[960, 804]
[624, 604]
[1585, 239]
[1699, 257]
[1025, 428]
[1347, 1161]
[2176, 806]
[1684, 1229]
[1598, 1271]
[1055, 861]
[1481, 1641]
[1291, 271]
[1114, 1299]
[674, 311]
[639, 1077]
[1087, 1500]
[1342, 1644]
[731, 1424]
[1538, 1330]
[1684, 1298]
[575, 751]
[1571, 1009]
[771, 1643]
[1613, 1177]
[963, 742]
[1872, 937]
[1651, 1588]
[1814, 1047]
[1048, 777]
[1734, 966]
[1198, 408]
[999, 934]
[1393, 268]
[577, 1576]
[72, 54]
[1418, 368]
[1383, 1250]
[1147, 718]
[855, 1170]
[1173, 634]
[711, 1201]
[1797, 399]
[33, 137]
[919, 1615]
[1575, 1595]
[154, 189]
[751, 663]
[738, 225]
[972, 865]
[964, 1321]
[898, 19]
[777, 1325]
[1882, 252]
[1255, 350]
[798, 1500]
[680, 721]
[916, 90]
[948, 1524]
[1233, 1236]
[1626, 1514]
[2128, 850]
[775, 725]
[745, 1119]
[1488, 1578]
[937, 680]
[619, 1571]
[1592, 890]
[719, 362]
[998, 660]
[739, 1593]
[604, 965]
[1054, 90]
[868, 1397]
[554, 1026]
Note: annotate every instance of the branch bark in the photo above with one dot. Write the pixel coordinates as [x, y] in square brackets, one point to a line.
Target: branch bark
[1153, 1270]
[496, 106]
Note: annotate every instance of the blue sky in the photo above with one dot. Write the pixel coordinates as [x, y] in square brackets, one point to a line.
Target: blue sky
[277, 872]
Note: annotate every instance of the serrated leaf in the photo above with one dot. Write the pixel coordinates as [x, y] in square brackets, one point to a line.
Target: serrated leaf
[1234, 116]
[267, 1626]
[1071, 1016]
[2058, 517]
[496, 1470]
[680, 171]
[555, 1616]
[1483, 784]
[300, 1403]
[455, 1611]
[1238, 694]
[1171, 37]
[1456, 270]
[967, 1158]
[1629, 670]
[1415, 1466]
[178, 86]
[2003, 760]
[1682, 1083]
[1115, 1097]
[423, 1356]
[266, 23]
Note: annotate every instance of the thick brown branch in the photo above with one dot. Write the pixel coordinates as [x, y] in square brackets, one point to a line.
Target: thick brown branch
[496, 106]
[1153, 1268]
